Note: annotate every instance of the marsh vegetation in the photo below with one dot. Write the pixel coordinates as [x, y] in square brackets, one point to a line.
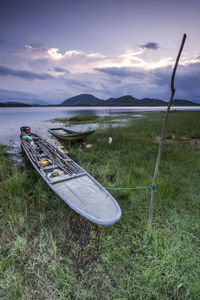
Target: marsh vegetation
[87, 118]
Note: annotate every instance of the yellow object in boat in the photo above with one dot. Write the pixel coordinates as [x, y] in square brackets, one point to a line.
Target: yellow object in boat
[44, 162]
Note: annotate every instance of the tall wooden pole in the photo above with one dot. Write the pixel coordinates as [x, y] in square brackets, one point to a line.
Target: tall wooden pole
[163, 134]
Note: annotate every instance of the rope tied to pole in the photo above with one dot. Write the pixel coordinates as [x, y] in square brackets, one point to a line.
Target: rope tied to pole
[148, 187]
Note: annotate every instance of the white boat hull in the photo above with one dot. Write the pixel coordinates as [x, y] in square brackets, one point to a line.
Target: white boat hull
[82, 193]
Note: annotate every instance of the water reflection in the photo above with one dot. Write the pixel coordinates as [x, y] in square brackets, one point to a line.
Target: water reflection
[71, 112]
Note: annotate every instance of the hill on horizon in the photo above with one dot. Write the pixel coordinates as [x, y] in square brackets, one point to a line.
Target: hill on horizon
[82, 99]
[14, 104]
[127, 100]
[90, 100]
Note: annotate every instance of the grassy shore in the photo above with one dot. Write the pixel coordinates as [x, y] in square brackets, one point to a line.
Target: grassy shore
[86, 118]
[49, 252]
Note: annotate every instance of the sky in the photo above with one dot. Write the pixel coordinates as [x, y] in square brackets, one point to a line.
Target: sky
[51, 50]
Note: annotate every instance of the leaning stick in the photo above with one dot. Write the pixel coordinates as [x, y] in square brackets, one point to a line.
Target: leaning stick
[163, 134]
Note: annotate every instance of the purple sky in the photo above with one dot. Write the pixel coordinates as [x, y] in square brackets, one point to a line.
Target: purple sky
[51, 50]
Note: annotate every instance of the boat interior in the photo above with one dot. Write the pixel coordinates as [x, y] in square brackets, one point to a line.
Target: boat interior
[63, 130]
[54, 165]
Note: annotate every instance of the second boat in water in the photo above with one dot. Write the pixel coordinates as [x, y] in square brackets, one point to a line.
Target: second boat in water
[70, 135]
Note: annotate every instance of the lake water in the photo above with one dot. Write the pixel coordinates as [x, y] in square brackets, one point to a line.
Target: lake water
[38, 118]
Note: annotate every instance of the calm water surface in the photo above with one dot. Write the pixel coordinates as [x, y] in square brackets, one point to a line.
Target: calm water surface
[38, 118]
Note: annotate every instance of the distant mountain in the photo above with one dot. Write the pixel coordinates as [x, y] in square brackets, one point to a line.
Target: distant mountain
[128, 100]
[18, 99]
[14, 104]
[177, 102]
[131, 101]
[81, 100]
[90, 100]
[152, 102]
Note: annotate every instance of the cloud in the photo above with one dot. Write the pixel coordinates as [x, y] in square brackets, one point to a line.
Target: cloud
[80, 62]
[75, 83]
[154, 83]
[186, 81]
[56, 54]
[29, 47]
[15, 95]
[131, 72]
[61, 70]
[121, 72]
[150, 45]
[39, 63]
[5, 71]
[75, 61]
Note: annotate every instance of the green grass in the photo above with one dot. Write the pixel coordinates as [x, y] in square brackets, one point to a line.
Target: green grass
[49, 252]
[87, 118]
[83, 118]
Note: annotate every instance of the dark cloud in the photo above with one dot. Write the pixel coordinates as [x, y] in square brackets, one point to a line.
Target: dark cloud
[120, 72]
[5, 71]
[37, 63]
[14, 95]
[118, 90]
[61, 70]
[150, 45]
[74, 82]
[186, 81]
[160, 76]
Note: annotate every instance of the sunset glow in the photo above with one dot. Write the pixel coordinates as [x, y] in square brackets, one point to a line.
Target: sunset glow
[53, 52]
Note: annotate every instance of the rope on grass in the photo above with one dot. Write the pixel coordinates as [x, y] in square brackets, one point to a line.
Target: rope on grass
[163, 133]
[148, 187]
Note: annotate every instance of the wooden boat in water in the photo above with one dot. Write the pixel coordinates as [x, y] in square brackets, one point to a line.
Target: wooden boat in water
[69, 181]
[70, 135]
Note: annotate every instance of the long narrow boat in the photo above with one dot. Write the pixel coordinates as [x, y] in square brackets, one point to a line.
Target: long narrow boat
[69, 181]
[69, 135]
